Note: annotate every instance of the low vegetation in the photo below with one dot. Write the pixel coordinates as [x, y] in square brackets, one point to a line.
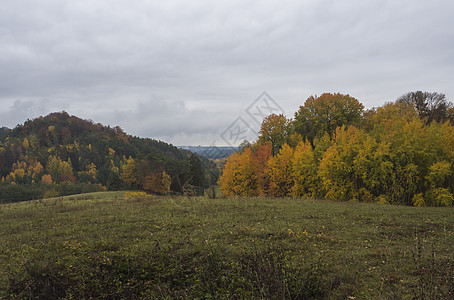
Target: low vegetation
[106, 245]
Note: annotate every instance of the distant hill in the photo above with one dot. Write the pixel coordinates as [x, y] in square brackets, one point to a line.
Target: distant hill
[212, 152]
[61, 148]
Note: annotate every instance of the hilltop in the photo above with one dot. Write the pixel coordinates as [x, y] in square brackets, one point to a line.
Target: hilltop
[63, 149]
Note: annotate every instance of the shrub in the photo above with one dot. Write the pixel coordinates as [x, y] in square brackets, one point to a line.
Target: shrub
[135, 195]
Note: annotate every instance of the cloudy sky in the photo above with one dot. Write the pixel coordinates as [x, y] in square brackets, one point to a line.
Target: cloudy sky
[185, 71]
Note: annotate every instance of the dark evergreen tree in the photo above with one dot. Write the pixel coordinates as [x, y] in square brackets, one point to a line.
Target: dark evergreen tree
[197, 171]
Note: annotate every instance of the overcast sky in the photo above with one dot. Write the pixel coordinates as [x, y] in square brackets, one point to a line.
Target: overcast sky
[185, 71]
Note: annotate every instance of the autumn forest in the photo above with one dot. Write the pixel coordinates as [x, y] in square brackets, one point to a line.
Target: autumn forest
[333, 148]
[399, 153]
[60, 154]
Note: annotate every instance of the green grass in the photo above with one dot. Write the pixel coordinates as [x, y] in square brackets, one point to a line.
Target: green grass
[103, 246]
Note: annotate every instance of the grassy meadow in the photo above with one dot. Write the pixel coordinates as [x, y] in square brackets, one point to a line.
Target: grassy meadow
[102, 245]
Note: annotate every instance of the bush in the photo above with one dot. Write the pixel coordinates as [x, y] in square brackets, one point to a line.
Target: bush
[24, 192]
[20, 192]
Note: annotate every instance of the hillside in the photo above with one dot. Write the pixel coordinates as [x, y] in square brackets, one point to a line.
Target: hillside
[213, 152]
[4, 131]
[60, 148]
[104, 246]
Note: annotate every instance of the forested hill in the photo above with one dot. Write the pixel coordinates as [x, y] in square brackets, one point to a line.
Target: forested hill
[4, 131]
[60, 148]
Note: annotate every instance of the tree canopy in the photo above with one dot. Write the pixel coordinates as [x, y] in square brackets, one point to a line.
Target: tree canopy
[400, 153]
[325, 113]
[60, 148]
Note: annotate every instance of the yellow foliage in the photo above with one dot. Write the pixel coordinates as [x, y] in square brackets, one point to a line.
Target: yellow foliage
[158, 183]
[418, 200]
[336, 167]
[46, 179]
[238, 177]
[280, 167]
[25, 143]
[24, 172]
[442, 197]
[438, 172]
[382, 200]
[59, 169]
[135, 195]
[304, 171]
[165, 183]
[129, 172]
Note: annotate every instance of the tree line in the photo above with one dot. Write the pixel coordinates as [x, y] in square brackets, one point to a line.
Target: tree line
[62, 149]
[399, 153]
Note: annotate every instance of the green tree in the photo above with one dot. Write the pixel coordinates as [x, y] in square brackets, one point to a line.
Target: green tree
[197, 171]
[325, 113]
[276, 130]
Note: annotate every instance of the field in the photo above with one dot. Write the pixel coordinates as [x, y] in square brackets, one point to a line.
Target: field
[101, 245]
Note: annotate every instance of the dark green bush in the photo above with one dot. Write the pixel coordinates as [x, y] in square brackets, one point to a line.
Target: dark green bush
[24, 192]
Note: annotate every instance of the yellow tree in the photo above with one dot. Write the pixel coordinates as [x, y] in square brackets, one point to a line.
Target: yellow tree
[25, 172]
[387, 119]
[262, 154]
[46, 179]
[439, 194]
[374, 171]
[280, 172]
[35, 170]
[166, 182]
[129, 172]
[336, 167]
[18, 173]
[60, 171]
[238, 177]
[412, 154]
[25, 144]
[304, 171]
[158, 183]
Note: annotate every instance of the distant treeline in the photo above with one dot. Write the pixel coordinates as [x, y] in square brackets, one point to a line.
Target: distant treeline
[212, 152]
[400, 153]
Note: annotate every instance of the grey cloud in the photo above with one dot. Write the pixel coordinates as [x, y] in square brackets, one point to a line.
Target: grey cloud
[23, 110]
[195, 66]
